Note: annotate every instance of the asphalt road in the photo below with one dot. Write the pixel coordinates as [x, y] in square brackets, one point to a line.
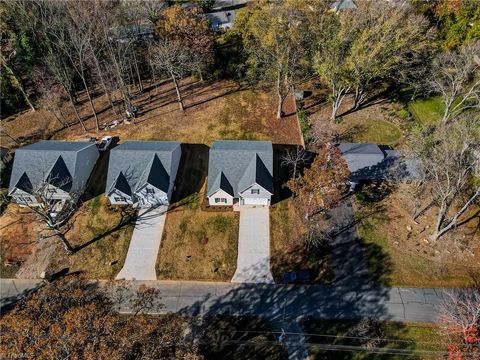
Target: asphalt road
[277, 302]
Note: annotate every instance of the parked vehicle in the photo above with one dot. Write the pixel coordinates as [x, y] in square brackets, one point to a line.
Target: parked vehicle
[105, 143]
[296, 277]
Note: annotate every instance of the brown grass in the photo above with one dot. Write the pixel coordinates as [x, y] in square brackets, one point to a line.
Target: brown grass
[412, 258]
[18, 233]
[198, 245]
[287, 246]
[214, 110]
[99, 223]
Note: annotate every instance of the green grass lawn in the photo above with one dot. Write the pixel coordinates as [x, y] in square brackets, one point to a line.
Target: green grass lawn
[369, 131]
[426, 111]
[413, 337]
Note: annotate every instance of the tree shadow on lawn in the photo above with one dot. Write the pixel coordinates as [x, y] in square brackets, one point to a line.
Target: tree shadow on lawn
[128, 217]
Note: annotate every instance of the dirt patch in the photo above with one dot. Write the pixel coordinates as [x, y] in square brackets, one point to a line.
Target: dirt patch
[415, 259]
[18, 235]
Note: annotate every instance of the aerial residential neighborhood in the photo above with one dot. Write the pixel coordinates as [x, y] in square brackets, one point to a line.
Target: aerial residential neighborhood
[243, 179]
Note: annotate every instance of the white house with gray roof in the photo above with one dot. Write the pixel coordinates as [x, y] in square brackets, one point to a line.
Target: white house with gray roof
[60, 168]
[143, 172]
[240, 171]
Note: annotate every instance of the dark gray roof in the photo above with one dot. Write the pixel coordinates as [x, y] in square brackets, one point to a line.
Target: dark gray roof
[360, 156]
[121, 184]
[155, 175]
[138, 161]
[24, 183]
[221, 17]
[374, 162]
[59, 175]
[41, 159]
[242, 163]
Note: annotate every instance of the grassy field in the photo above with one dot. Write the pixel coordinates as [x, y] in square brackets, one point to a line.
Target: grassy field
[198, 245]
[425, 111]
[413, 337]
[101, 233]
[400, 252]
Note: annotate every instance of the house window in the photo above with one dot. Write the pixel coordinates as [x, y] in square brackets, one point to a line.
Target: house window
[120, 199]
[24, 199]
[220, 200]
[255, 191]
[150, 191]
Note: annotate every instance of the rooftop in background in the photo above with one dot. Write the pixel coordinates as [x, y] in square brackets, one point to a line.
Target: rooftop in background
[58, 145]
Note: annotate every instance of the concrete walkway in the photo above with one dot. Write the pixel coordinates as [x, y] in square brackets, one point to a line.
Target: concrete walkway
[12, 290]
[144, 246]
[253, 261]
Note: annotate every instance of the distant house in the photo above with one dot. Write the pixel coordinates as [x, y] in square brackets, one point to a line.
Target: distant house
[340, 5]
[143, 172]
[240, 171]
[132, 32]
[60, 168]
[221, 20]
[374, 162]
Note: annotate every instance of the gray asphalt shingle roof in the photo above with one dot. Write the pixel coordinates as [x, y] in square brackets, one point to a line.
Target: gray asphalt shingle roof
[139, 161]
[34, 164]
[360, 156]
[242, 164]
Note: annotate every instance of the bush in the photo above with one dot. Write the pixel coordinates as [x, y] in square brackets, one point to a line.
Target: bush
[403, 113]
[304, 125]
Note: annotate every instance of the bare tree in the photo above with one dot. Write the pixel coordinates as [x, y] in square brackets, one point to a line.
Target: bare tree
[50, 211]
[455, 75]
[295, 159]
[450, 159]
[460, 315]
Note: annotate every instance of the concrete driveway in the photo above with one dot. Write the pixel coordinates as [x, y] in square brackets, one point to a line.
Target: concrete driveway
[253, 261]
[144, 245]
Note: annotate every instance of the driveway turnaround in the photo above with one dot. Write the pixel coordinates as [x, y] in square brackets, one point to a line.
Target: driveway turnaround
[253, 261]
[144, 246]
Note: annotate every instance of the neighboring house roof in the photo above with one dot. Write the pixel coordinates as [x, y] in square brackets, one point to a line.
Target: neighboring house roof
[47, 161]
[360, 156]
[343, 5]
[221, 18]
[134, 164]
[132, 31]
[371, 161]
[3, 153]
[233, 166]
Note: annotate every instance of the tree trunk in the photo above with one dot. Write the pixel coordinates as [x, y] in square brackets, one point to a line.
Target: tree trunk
[102, 81]
[91, 103]
[18, 84]
[179, 95]
[358, 97]
[440, 217]
[68, 248]
[439, 230]
[279, 92]
[138, 72]
[76, 112]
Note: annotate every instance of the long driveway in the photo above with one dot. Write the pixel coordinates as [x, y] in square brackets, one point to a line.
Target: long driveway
[253, 261]
[144, 246]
